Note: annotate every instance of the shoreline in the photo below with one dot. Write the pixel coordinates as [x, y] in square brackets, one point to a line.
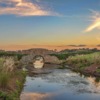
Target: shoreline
[84, 72]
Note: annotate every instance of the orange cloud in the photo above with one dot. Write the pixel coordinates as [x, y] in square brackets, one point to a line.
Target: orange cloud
[95, 23]
[23, 8]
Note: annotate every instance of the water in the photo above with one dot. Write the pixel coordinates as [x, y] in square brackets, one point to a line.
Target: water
[61, 85]
[39, 62]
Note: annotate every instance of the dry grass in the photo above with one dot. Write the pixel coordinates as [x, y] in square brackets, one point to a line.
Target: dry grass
[84, 60]
[11, 80]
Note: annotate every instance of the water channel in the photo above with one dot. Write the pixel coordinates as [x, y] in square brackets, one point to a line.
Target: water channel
[60, 84]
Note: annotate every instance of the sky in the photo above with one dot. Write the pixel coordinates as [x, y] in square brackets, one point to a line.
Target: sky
[48, 23]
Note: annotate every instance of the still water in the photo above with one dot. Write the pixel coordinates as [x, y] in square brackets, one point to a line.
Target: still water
[61, 84]
[38, 62]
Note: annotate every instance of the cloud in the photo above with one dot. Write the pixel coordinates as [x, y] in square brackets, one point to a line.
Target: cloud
[23, 8]
[95, 21]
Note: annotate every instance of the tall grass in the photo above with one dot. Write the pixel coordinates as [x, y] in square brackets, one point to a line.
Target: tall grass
[6, 68]
[5, 64]
[11, 79]
[9, 64]
[1, 63]
[4, 80]
[84, 60]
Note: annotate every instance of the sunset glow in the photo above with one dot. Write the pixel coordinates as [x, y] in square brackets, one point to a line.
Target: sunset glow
[53, 24]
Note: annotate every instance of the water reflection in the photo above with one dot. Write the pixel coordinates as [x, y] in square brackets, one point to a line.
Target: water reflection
[35, 96]
[94, 84]
[38, 62]
[61, 85]
[40, 96]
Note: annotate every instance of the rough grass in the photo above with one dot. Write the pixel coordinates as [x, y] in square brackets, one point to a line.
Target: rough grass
[61, 56]
[11, 85]
[4, 80]
[11, 79]
[64, 54]
[82, 61]
[1, 63]
[11, 54]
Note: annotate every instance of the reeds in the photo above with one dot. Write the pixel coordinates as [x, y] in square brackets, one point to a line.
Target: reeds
[11, 79]
[4, 80]
[6, 68]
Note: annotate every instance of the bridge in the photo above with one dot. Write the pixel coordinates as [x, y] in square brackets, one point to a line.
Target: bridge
[32, 53]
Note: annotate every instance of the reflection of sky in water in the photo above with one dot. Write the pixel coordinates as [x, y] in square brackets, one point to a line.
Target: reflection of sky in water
[39, 62]
[61, 85]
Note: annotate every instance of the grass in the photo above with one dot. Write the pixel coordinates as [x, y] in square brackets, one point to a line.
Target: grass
[64, 54]
[11, 81]
[83, 61]
[87, 59]
[4, 79]
[60, 56]
[98, 70]
[1, 63]
[7, 54]
[11, 87]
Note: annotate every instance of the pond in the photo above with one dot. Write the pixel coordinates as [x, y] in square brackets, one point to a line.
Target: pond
[61, 84]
